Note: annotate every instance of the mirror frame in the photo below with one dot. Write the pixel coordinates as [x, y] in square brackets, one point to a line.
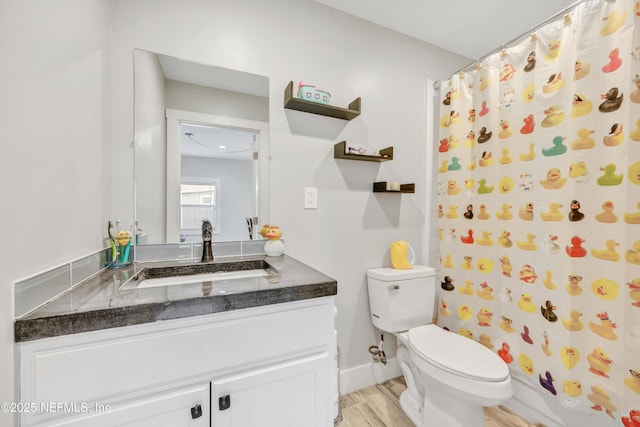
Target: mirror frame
[174, 119]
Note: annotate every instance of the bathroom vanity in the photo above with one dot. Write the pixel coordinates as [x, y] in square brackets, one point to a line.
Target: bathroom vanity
[252, 351]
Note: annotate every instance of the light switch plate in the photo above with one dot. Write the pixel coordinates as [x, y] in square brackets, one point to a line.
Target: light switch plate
[310, 198]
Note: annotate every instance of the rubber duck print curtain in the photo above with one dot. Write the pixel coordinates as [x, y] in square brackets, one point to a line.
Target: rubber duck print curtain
[539, 207]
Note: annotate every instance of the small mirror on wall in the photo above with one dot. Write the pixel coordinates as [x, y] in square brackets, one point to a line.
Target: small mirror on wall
[202, 149]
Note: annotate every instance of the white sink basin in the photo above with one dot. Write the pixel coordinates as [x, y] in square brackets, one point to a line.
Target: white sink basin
[153, 276]
[205, 277]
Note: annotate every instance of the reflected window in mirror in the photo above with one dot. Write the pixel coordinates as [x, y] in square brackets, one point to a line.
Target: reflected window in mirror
[198, 202]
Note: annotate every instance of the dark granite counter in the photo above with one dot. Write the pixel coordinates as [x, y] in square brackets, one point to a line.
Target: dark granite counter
[111, 298]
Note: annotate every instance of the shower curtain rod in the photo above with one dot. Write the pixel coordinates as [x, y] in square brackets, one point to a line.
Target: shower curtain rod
[436, 84]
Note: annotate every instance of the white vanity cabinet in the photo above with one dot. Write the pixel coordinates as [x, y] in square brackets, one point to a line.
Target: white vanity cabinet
[256, 367]
[279, 396]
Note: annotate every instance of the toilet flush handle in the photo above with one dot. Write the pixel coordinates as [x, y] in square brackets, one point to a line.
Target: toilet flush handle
[394, 287]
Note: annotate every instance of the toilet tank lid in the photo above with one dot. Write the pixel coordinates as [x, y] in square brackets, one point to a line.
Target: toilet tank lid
[393, 274]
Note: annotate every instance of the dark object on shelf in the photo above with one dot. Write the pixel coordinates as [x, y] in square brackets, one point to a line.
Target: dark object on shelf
[381, 187]
[298, 104]
[340, 148]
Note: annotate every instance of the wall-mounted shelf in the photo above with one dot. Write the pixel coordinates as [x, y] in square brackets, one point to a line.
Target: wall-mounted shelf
[339, 152]
[381, 187]
[293, 103]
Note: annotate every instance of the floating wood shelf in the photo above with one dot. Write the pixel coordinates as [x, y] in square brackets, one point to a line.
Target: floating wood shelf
[293, 103]
[339, 152]
[381, 187]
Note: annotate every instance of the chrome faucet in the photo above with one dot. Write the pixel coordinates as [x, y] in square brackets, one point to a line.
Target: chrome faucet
[207, 231]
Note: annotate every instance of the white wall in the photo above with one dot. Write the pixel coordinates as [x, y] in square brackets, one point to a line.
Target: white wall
[218, 102]
[54, 156]
[151, 149]
[352, 228]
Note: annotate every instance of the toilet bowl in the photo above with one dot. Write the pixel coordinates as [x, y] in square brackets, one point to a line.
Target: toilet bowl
[449, 377]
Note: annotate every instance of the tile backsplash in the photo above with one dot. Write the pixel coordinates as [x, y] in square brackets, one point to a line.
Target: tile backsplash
[185, 251]
[34, 291]
[163, 252]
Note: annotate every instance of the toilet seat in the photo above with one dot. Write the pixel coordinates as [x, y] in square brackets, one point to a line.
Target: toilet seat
[456, 354]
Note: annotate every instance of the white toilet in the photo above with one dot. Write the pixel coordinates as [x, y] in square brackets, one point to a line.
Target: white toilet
[449, 377]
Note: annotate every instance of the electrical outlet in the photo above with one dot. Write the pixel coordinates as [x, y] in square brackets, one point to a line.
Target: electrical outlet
[310, 198]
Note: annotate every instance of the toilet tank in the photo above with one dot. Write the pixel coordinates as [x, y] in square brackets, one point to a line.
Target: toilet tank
[401, 299]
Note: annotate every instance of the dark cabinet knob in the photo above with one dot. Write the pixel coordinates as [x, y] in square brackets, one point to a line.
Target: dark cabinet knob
[196, 411]
[224, 402]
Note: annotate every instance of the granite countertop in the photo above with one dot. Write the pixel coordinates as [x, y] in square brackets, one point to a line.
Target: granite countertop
[110, 299]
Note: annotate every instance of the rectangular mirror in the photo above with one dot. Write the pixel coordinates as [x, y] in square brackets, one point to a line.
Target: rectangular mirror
[201, 137]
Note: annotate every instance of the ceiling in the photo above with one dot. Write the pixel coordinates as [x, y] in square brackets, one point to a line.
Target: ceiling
[471, 28]
[216, 142]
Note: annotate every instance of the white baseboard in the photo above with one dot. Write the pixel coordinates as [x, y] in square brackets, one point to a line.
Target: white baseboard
[527, 402]
[362, 376]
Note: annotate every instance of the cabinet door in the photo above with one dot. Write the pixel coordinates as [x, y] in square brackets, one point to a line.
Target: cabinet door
[292, 394]
[185, 407]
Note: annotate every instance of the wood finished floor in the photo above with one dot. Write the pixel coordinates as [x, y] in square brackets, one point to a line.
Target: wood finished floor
[378, 406]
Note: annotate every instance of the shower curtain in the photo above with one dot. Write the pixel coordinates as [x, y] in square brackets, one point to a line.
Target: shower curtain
[539, 207]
